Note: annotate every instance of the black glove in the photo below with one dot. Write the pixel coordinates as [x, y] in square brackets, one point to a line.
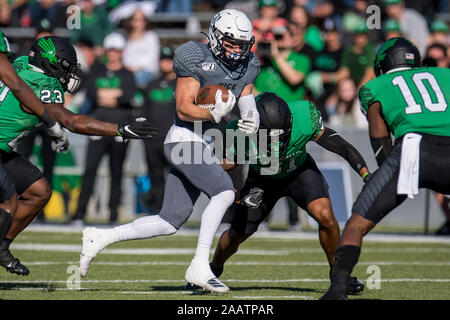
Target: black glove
[139, 128]
[253, 199]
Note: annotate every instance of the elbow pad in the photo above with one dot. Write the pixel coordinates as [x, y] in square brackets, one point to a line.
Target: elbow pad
[382, 147]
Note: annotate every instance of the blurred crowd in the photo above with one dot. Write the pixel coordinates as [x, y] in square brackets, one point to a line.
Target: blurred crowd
[321, 50]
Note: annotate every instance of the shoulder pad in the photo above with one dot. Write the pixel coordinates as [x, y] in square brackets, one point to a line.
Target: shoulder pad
[187, 57]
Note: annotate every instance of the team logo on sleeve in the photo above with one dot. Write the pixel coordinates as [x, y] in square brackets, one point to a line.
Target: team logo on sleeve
[209, 66]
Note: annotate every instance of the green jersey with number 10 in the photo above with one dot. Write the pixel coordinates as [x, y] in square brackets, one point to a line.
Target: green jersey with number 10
[414, 100]
[15, 122]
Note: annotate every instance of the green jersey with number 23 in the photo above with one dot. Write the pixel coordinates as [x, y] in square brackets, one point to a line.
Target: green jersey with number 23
[15, 122]
[414, 100]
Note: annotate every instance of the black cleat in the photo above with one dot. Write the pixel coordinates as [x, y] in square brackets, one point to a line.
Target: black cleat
[16, 267]
[354, 286]
[12, 264]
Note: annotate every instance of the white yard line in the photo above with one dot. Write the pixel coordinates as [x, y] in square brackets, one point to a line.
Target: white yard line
[240, 263]
[375, 237]
[225, 280]
[189, 251]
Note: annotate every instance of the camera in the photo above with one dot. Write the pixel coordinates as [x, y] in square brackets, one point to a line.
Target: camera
[263, 49]
[278, 32]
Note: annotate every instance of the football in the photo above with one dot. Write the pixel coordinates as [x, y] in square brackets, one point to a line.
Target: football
[206, 96]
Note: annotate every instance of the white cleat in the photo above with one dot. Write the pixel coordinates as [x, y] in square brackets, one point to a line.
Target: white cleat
[94, 241]
[202, 276]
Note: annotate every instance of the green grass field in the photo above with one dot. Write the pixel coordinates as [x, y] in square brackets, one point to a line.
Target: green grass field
[265, 268]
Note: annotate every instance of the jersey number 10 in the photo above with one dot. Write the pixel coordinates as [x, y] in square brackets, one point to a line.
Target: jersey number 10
[418, 79]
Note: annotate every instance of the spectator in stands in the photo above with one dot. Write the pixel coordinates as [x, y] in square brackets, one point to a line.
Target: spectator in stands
[391, 29]
[264, 26]
[327, 63]
[357, 59]
[111, 88]
[175, 6]
[353, 16]
[159, 106]
[12, 11]
[141, 54]
[439, 33]
[53, 10]
[298, 41]
[95, 25]
[299, 15]
[438, 53]
[343, 106]
[413, 24]
[283, 70]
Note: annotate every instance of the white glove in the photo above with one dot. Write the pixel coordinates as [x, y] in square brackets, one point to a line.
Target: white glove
[248, 126]
[60, 143]
[222, 108]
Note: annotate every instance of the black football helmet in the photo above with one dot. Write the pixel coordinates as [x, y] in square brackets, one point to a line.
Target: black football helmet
[275, 117]
[58, 59]
[396, 53]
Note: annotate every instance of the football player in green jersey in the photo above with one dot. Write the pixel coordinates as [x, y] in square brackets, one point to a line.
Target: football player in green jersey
[296, 176]
[49, 70]
[410, 102]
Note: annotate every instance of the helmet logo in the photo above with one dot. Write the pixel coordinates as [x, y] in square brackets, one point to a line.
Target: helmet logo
[49, 50]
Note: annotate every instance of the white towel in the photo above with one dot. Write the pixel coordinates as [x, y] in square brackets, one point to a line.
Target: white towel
[408, 179]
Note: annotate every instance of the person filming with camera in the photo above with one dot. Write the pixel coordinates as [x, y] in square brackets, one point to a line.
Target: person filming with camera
[283, 70]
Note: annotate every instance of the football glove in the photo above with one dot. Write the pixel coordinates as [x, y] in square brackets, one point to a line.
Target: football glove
[60, 142]
[139, 128]
[222, 108]
[248, 126]
[253, 199]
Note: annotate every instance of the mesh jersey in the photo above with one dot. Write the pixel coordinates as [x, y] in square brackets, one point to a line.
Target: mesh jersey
[413, 100]
[4, 44]
[15, 122]
[306, 126]
[194, 59]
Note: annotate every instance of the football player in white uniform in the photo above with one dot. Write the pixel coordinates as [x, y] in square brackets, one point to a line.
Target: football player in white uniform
[225, 60]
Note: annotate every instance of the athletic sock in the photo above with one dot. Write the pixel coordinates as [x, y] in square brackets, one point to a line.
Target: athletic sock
[4, 245]
[144, 228]
[211, 219]
[6, 220]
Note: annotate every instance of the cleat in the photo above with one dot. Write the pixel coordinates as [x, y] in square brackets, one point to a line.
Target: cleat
[354, 285]
[12, 264]
[203, 277]
[217, 272]
[94, 241]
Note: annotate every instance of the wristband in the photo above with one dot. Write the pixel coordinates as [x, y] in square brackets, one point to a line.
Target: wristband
[47, 119]
[365, 175]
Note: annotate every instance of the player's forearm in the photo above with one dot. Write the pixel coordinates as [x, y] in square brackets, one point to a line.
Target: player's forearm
[382, 147]
[89, 126]
[191, 112]
[333, 142]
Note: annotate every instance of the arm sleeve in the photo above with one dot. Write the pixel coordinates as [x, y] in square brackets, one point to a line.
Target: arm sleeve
[333, 142]
[382, 147]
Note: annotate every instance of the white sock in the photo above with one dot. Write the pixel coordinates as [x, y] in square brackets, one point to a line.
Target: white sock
[211, 218]
[144, 228]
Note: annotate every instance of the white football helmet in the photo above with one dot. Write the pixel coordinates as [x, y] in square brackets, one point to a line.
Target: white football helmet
[233, 26]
